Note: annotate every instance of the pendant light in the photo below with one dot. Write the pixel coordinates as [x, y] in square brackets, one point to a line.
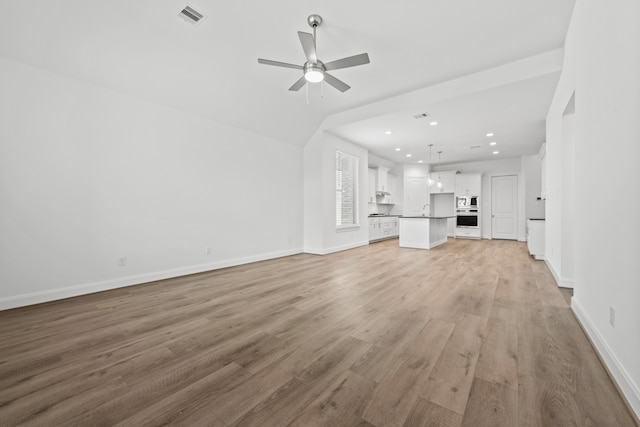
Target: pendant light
[430, 180]
[439, 184]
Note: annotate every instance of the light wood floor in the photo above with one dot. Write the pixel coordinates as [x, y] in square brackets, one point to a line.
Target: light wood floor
[472, 333]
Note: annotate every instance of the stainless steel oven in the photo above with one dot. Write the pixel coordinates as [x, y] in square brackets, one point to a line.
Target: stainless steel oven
[467, 218]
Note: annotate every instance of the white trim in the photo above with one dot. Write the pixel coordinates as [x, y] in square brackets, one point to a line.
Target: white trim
[326, 251]
[625, 382]
[314, 251]
[89, 288]
[560, 281]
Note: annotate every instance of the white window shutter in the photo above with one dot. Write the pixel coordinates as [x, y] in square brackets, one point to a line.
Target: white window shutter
[346, 190]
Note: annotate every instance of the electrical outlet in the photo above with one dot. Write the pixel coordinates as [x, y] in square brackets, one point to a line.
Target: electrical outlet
[612, 316]
[207, 251]
[122, 261]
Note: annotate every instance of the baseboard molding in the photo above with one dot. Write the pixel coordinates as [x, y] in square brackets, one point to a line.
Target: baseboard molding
[326, 251]
[105, 285]
[621, 377]
[562, 282]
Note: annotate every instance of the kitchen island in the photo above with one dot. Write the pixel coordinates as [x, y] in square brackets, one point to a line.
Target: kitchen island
[423, 232]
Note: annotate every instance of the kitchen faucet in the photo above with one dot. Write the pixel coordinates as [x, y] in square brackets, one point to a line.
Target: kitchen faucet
[424, 208]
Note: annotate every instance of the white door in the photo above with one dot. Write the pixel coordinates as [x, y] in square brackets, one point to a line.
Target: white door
[504, 207]
[415, 195]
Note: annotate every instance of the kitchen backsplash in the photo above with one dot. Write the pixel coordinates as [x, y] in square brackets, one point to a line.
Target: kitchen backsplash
[375, 208]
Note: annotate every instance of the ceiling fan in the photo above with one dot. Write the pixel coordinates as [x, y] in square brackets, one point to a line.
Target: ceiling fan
[314, 70]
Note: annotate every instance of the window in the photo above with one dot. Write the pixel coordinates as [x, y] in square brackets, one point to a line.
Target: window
[346, 190]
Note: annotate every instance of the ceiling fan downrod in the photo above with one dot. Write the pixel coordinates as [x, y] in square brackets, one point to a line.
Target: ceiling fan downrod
[314, 21]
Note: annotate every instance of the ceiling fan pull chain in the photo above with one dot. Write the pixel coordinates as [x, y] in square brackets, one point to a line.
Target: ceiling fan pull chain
[307, 93]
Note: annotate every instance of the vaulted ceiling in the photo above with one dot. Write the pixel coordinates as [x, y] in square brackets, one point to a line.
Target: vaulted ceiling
[144, 49]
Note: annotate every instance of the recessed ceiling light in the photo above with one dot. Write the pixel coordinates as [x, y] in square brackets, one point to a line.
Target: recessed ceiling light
[490, 134]
[388, 132]
[496, 152]
[492, 143]
[397, 149]
[433, 123]
[408, 155]
[419, 161]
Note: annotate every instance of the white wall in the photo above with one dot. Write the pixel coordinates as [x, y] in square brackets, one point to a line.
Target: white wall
[531, 172]
[568, 200]
[489, 169]
[601, 66]
[320, 197]
[88, 175]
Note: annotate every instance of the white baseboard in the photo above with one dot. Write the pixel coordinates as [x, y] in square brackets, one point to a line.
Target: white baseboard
[326, 251]
[563, 282]
[625, 383]
[89, 288]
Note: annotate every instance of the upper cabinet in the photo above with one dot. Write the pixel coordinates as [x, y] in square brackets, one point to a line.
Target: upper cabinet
[382, 182]
[448, 180]
[468, 184]
[372, 186]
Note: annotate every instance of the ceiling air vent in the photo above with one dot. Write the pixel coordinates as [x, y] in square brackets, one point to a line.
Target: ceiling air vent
[473, 147]
[421, 116]
[191, 15]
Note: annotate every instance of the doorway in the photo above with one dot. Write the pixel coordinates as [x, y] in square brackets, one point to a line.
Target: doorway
[504, 207]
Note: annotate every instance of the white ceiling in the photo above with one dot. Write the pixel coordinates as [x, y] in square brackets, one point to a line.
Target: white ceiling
[514, 113]
[144, 49]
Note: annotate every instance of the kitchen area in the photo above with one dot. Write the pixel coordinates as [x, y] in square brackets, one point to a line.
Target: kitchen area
[462, 197]
[422, 208]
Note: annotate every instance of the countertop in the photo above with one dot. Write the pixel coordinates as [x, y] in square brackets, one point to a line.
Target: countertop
[383, 216]
[428, 217]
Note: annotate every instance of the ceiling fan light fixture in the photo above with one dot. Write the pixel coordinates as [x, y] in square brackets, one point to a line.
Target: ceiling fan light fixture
[313, 73]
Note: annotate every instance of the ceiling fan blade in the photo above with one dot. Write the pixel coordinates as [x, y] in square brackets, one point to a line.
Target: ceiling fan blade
[338, 84]
[351, 61]
[297, 85]
[309, 47]
[279, 64]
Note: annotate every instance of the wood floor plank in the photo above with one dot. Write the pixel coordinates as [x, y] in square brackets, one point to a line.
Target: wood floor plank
[498, 359]
[399, 388]
[450, 380]
[373, 336]
[427, 414]
[283, 405]
[349, 390]
[491, 404]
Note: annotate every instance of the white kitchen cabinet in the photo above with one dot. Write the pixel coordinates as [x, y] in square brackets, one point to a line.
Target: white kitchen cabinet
[535, 237]
[468, 184]
[375, 228]
[468, 233]
[382, 183]
[392, 224]
[383, 228]
[448, 179]
[372, 186]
